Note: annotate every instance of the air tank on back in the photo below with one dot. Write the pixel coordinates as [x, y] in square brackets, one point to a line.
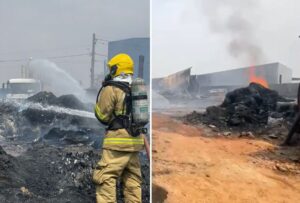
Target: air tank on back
[140, 106]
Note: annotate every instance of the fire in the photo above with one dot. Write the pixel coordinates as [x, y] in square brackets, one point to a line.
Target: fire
[257, 79]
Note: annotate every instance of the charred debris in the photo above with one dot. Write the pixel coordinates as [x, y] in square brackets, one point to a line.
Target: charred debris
[253, 111]
[48, 148]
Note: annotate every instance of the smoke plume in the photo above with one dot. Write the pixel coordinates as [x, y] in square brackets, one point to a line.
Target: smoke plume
[229, 17]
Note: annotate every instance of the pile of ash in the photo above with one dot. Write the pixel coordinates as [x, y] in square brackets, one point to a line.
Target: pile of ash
[56, 142]
[43, 116]
[48, 174]
[248, 108]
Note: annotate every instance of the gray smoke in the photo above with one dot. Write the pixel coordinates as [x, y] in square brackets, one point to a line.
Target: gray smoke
[229, 17]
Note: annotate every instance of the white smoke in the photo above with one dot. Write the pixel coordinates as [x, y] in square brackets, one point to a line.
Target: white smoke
[55, 79]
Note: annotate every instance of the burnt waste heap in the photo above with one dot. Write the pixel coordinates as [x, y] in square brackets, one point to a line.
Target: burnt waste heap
[250, 108]
[48, 148]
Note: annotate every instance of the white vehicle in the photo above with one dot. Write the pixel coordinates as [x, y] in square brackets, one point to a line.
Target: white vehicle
[22, 88]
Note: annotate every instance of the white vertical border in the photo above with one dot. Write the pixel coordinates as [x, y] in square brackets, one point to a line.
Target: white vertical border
[150, 106]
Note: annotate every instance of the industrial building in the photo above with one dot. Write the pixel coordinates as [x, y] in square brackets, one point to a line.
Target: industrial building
[276, 75]
[177, 81]
[138, 49]
[273, 73]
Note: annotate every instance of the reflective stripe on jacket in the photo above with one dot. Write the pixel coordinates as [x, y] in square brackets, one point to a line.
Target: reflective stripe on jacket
[109, 103]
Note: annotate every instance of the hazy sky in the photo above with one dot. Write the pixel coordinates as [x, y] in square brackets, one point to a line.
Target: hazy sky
[49, 28]
[215, 35]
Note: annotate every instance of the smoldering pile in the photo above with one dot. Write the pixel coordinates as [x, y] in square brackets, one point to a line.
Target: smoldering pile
[48, 174]
[251, 108]
[60, 141]
[68, 101]
[45, 117]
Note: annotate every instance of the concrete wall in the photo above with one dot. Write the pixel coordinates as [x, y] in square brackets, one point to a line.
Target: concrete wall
[134, 47]
[237, 77]
[285, 73]
[229, 80]
[179, 81]
[286, 90]
[224, 78]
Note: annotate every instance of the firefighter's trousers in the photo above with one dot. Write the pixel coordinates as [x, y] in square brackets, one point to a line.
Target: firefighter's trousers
[115, 164]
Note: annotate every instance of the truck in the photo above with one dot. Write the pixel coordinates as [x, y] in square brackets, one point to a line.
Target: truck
[22, 88]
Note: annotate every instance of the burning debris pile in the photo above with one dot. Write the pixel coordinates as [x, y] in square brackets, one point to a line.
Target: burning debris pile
[55, 144]
[246, 108]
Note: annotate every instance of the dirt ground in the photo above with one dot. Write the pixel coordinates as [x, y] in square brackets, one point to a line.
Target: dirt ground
[194, 164]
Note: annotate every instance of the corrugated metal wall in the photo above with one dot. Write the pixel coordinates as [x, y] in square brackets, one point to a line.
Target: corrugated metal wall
[134, 47]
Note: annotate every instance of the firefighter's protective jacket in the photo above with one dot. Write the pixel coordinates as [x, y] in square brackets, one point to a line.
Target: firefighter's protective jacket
[110, 103]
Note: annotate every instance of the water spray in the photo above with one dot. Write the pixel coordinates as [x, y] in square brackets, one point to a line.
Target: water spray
[56, 79]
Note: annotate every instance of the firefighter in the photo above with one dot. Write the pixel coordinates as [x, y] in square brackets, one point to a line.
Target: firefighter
[121, 146]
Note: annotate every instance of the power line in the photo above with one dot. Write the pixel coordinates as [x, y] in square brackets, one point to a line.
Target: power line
[58, 62]
[101, 54]
[76, 62]
[67, 56]
[12, 60]
[69, 62]
[104, 40]
[52, 57]
[100, 60]
[94, 41]
[47, 50]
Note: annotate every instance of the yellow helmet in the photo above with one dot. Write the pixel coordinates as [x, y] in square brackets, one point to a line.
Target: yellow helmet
[123, 62]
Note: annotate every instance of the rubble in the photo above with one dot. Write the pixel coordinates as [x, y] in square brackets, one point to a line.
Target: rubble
[49, 174]
[52, 124]
[227, 134]
[248, 134]
[58, 148]
[245, 109]
[68, 101]
[273, 136]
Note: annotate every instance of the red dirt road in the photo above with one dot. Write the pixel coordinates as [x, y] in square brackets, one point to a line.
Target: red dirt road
[193, 167]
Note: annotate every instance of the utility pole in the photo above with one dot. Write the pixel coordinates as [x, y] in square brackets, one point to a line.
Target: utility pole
[104, 69]
[29, 72]
[22, 72]
[141, 66]
[93, 61]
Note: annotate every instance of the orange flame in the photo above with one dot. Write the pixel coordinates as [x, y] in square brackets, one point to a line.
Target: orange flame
[257, 79]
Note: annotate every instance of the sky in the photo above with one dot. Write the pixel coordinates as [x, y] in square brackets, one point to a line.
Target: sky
[42, 29]
[216, 35]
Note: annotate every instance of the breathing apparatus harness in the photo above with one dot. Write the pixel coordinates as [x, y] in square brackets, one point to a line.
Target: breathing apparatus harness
[124, 121]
